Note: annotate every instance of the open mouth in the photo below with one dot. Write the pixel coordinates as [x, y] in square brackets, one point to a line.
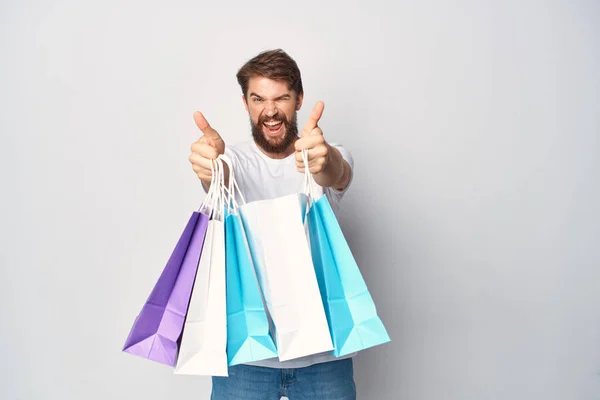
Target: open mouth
[273, 128]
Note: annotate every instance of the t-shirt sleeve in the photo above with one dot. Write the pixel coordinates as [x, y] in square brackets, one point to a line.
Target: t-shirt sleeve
[333, 195]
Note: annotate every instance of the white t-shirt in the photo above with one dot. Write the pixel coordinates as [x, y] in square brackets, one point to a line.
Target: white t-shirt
[260, 177]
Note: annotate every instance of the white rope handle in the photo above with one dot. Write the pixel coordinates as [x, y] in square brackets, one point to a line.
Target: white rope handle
[217, 205]
[221, 206]
[308, 178]
[209, 199]
[222, 189]
[230, 198]
[233, 187]
[226, 199]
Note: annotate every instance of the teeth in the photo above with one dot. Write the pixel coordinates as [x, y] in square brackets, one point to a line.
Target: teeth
[272, 123]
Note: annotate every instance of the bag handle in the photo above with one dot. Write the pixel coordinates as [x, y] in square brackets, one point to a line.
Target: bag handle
[222, 189]
[309, 180]
[211, 197]
[219, 205]
[233, 187]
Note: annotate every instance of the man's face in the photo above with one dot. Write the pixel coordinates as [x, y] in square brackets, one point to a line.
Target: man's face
[272, 107]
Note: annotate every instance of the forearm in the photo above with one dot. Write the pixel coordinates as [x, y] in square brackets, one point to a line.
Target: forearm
[336, 173]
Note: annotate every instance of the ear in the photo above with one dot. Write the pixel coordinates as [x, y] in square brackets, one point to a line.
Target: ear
[245, 102]
[299, 103]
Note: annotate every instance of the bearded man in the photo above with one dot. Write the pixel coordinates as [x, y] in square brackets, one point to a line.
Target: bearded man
[269, 166]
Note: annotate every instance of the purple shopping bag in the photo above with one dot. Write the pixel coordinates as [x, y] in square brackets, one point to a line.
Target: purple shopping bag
[156, 330]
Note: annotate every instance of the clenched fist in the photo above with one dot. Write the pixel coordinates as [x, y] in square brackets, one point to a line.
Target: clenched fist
[206, 149]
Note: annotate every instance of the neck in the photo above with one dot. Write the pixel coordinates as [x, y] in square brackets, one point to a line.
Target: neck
[279, 156]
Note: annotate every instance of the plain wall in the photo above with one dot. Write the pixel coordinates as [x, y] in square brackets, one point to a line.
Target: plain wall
[474, 212]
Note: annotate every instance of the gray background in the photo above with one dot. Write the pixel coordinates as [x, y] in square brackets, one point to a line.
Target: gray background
[474, 214]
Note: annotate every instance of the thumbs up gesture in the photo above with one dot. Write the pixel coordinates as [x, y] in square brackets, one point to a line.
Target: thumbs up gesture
[312, 140]
[205, 149]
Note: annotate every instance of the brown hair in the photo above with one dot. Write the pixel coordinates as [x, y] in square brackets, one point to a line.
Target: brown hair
[272, 64]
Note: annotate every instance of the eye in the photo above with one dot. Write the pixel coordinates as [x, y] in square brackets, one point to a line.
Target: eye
[257, 99]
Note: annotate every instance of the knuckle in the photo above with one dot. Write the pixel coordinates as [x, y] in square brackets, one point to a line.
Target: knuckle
[206, 151]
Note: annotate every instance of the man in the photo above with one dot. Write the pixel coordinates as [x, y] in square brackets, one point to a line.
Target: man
[271, 166]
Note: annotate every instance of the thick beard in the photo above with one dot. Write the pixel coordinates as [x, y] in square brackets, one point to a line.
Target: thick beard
[281, 146]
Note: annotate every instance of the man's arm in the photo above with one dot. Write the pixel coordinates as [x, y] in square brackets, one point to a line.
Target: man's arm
[337, 171]
[325, 162]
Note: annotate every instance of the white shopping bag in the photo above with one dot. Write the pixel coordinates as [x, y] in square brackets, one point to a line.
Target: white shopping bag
[204, 339]
[283, 262]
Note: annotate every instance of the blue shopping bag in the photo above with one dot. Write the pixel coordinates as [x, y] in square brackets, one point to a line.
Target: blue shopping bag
[248, 335]
[351, 314]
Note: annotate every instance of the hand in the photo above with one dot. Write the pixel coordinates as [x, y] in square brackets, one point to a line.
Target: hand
[206, 149]
[312, 140]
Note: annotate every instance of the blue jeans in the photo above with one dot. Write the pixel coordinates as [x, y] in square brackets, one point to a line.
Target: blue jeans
[327, 381]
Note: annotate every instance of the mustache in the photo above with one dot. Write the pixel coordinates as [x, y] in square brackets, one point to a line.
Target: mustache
[279, 117]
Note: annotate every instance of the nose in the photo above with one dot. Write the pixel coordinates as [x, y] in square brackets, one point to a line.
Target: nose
[270, 109]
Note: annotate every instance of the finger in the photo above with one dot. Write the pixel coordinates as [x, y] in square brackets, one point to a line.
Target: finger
[313, 118]
[202, 142]
[316, 132]
[300, 158]
[304, 143]
[312, 161]
[309, 142]
[205, 150]
[202, 173]
[204, 126]
[200, 161]
[313, 154]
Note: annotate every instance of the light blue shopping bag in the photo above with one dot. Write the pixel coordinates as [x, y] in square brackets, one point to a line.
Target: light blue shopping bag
[248, 335]
[353, 321]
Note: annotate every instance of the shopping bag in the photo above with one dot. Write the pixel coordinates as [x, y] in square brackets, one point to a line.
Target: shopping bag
[281, 255]
[157, 328]
[248, 334]
[351, 313]
[204, 337]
